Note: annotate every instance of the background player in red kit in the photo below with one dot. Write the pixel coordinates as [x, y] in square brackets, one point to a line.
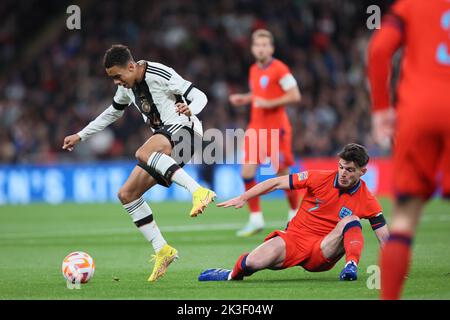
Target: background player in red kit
[327, 224]
[272, 86]
[422, 133]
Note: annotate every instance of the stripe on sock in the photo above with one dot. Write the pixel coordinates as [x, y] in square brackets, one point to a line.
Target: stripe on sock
[351, 224]
[134, 206]
[144, 221]
[398, 237]
[155, 160]
[246, 270]
[138, 210]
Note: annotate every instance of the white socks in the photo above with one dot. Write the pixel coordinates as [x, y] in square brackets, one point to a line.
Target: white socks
[181, 178]
[142, 217]
[152, 233]
[168, 168]
[351, 262]
[257, 219]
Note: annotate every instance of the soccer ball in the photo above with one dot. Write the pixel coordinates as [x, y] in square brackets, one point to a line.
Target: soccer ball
[78, 267]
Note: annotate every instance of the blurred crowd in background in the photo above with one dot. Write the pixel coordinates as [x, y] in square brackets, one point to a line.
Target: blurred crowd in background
[53, 83]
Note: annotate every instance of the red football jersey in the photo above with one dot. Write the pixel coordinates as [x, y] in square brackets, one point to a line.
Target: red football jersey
[324, 204]
[422, 28]
[266, 83]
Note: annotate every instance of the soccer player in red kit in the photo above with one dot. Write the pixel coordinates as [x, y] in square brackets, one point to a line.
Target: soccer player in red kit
[272, 86]
[422, 127]
[327, 224]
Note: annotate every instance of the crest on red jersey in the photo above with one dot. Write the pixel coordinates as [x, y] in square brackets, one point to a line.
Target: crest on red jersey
[264, 81]
[345, 212]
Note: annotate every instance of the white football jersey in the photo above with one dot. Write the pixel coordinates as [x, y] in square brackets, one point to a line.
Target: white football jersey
[155, 97]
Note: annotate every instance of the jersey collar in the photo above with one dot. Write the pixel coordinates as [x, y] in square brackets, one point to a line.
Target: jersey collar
[267, 65]
[142, 62]
[350, 191]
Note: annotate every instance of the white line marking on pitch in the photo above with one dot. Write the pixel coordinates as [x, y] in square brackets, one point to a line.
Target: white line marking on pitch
[278, 224]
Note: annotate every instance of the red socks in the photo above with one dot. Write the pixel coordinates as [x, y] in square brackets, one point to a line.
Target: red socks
[253, 203]
[353, 241]
[240, 270]
[394, 262]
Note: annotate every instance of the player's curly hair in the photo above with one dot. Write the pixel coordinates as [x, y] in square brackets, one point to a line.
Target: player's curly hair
[117, 55]
[356, 153]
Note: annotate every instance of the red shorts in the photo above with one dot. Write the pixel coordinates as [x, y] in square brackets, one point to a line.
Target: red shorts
[260, 145]
[422, 156]
[303, 250]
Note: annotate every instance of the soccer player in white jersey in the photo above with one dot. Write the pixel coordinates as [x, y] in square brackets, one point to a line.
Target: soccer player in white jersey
[168, 104]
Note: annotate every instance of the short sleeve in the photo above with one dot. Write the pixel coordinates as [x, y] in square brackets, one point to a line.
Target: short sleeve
[288, 82]
[282, 70]
[121, 98]
[372, 208]
[300, 180]
[285, 77]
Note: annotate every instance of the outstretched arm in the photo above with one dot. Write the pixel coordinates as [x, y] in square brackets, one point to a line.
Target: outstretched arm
[260, 189]
[107, 117]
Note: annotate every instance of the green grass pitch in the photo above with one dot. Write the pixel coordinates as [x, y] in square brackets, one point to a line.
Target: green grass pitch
[34, 239]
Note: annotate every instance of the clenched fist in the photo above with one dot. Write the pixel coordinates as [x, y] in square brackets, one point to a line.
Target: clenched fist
[71, 141]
